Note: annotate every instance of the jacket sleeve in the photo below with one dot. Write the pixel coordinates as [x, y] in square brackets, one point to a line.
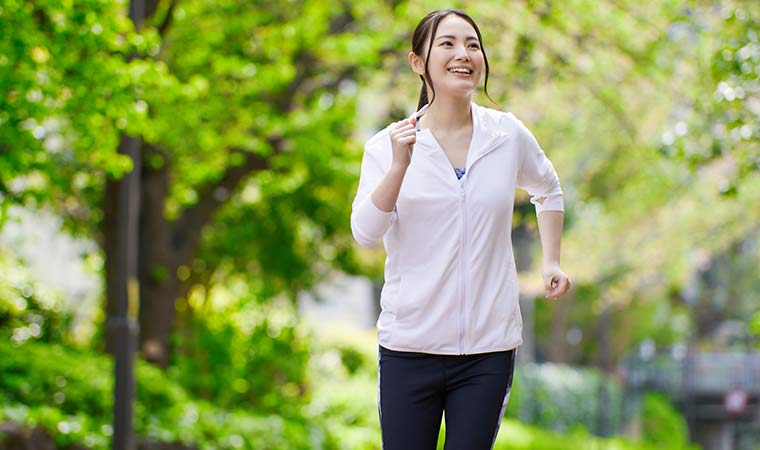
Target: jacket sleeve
[536, 174]
[368, 222]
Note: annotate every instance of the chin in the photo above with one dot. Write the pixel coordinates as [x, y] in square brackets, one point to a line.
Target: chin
[456, 91]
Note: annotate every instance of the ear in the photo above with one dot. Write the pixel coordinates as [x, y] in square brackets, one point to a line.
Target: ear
[417, 63]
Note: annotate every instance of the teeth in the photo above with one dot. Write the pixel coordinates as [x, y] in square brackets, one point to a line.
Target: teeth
[459, 70]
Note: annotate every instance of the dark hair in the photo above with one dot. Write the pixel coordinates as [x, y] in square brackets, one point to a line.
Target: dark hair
[427, 28]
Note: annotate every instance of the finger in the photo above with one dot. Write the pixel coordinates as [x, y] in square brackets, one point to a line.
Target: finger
[550, 285]
[407, 121]
[408, 140]
[563, 284]
[405, 135]
[404, 127]
[562, 287]
[548, 281]
[403, 132]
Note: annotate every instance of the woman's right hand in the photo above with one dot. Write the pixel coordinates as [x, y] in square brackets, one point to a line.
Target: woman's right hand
[403, 137]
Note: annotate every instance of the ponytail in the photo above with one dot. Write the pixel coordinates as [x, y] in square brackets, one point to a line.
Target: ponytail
[423, 97]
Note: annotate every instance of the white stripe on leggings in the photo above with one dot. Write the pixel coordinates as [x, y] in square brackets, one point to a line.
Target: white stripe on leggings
[379, 406]
[501, 417]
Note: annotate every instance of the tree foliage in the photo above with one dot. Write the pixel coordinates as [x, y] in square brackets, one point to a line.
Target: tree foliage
[251, 117]
[245, 112]
[68, 90]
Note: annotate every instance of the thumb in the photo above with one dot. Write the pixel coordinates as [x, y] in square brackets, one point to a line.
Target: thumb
[550, 282]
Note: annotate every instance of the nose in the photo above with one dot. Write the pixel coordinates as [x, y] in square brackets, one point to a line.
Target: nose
[461, 53]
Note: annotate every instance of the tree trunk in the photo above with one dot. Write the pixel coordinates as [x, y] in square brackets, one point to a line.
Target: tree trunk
[113, 261]
[157, 262]
[157, 267]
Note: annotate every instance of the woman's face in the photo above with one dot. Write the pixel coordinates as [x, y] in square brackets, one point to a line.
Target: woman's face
[456, 60]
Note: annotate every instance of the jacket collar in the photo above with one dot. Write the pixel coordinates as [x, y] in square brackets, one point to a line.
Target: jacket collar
[486, 131]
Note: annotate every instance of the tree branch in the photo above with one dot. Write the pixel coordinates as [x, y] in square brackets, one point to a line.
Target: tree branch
[305, 64]
[163, 27]
[150, 8]
[186, 231]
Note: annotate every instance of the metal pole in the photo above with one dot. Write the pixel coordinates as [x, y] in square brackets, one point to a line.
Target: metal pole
[123, 324]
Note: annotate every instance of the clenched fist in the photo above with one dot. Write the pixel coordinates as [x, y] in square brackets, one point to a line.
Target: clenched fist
[403, 136]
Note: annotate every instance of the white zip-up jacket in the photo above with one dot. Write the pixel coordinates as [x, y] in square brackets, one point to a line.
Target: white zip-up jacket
[450, 279]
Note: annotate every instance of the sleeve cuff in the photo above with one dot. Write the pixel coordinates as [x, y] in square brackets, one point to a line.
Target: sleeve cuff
[369, 223]
[552, 202]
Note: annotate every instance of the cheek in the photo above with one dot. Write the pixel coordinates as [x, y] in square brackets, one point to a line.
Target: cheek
[436, 66]
[437, 61]
[479, 61]
[481, 66]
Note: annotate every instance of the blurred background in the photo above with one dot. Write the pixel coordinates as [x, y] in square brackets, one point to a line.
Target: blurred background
[186, 168]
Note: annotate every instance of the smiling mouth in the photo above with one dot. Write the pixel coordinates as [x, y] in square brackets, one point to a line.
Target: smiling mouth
[460, 70]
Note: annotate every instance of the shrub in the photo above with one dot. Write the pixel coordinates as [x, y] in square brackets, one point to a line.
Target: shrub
[343, 370]
[518, 436]
[561, 398]
[255, 357]
[662, 424]
[69, 392]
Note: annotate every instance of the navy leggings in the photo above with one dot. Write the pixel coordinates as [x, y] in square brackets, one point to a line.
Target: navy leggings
[416, 388]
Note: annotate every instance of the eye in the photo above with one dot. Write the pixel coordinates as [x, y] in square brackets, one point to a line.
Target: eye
[446, 44]
[475, 46]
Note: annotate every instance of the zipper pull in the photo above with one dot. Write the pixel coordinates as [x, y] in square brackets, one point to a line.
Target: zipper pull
[419, 114]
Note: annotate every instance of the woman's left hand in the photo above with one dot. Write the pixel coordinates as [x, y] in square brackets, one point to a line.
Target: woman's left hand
[556, 283]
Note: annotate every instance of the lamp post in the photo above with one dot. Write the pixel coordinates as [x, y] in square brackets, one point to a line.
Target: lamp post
[123, 325]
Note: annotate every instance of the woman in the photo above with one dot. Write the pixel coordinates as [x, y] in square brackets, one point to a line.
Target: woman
[438, 188]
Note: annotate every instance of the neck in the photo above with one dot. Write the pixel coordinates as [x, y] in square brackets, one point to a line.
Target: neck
[448, 113]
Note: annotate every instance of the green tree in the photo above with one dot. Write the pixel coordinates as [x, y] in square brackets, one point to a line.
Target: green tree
[245, 115]
[722, 117]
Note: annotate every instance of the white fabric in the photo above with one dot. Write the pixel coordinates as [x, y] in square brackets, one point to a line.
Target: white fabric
[450, 279]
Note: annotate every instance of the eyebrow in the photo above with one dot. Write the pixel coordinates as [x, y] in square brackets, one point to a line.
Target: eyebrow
[448, 36]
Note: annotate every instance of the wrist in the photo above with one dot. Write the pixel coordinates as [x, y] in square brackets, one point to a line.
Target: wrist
[398, 169]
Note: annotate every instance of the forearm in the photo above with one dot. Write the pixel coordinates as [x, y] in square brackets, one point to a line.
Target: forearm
[386, 193]
[550, 230]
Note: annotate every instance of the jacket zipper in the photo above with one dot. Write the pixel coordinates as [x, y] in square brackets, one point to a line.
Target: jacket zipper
[464, 269]
[464, 266]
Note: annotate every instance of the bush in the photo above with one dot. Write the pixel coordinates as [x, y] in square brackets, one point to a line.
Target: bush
[662, 424]
[69, 392]
[343, 370]
[255, 357]
[562, 398]
[518, 436]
